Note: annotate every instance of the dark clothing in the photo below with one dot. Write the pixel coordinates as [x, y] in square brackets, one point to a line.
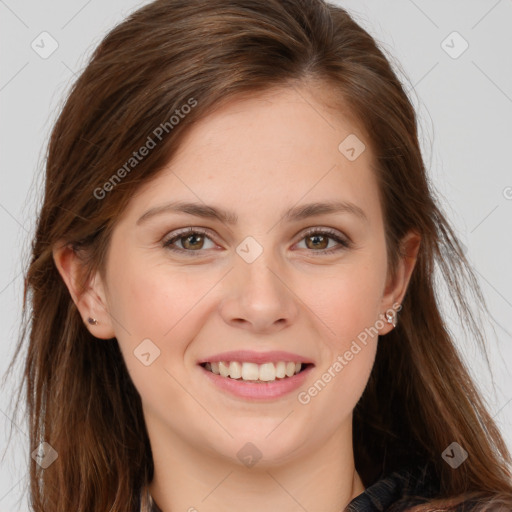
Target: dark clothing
[396, 492]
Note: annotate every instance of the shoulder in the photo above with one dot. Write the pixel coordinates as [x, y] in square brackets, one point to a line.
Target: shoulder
[416, 489]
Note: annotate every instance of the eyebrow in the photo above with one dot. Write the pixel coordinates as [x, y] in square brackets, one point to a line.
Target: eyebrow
[296, 213]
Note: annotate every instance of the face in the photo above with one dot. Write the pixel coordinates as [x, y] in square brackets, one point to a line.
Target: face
[271, 276]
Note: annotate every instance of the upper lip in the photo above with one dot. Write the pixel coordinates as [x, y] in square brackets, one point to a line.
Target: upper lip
[251, 356]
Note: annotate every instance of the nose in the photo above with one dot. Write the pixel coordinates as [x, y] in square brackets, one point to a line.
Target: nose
[258, 297]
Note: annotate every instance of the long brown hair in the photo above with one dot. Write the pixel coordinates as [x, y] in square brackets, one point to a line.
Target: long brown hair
[170, 53]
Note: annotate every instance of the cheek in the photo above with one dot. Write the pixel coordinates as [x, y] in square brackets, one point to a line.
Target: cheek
[348, 300]
[156, 303]
[164, 307]
[146, 299]
[348, 351]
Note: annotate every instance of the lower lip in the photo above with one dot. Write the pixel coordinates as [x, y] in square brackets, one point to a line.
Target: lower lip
[258, 391]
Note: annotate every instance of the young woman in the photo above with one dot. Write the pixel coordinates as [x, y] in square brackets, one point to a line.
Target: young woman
[232, 293]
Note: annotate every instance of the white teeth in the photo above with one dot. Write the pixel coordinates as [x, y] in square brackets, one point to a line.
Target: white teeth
[267, 372]
[290, 369]
[281, 369]
[224, 369]
[235, 370]
[254, 372]
[250, 371]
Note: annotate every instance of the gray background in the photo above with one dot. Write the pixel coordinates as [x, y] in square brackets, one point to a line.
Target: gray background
[465, 112]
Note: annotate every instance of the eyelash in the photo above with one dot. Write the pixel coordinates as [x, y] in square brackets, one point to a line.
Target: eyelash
[344, 243]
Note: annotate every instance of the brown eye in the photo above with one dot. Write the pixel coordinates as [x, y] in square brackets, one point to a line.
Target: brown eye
[191, 240]
[317, 241]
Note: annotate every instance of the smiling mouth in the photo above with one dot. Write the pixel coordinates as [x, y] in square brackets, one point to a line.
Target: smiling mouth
[255, 373]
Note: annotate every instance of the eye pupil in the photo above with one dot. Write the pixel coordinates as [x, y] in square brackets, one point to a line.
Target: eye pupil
[193, 237]
[316, 238]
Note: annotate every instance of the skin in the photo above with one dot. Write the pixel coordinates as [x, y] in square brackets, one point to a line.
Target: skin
[258, 157]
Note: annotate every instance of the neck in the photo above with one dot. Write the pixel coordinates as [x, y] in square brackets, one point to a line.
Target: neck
[321, 478]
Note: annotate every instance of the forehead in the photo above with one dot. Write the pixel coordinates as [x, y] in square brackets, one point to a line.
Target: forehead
[276, 123]
[273, 148]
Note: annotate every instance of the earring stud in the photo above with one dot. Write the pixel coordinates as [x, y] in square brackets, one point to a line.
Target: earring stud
[391, 318]
[92, 321]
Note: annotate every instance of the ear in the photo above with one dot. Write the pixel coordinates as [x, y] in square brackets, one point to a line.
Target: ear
[91, 299]
[396, 285]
